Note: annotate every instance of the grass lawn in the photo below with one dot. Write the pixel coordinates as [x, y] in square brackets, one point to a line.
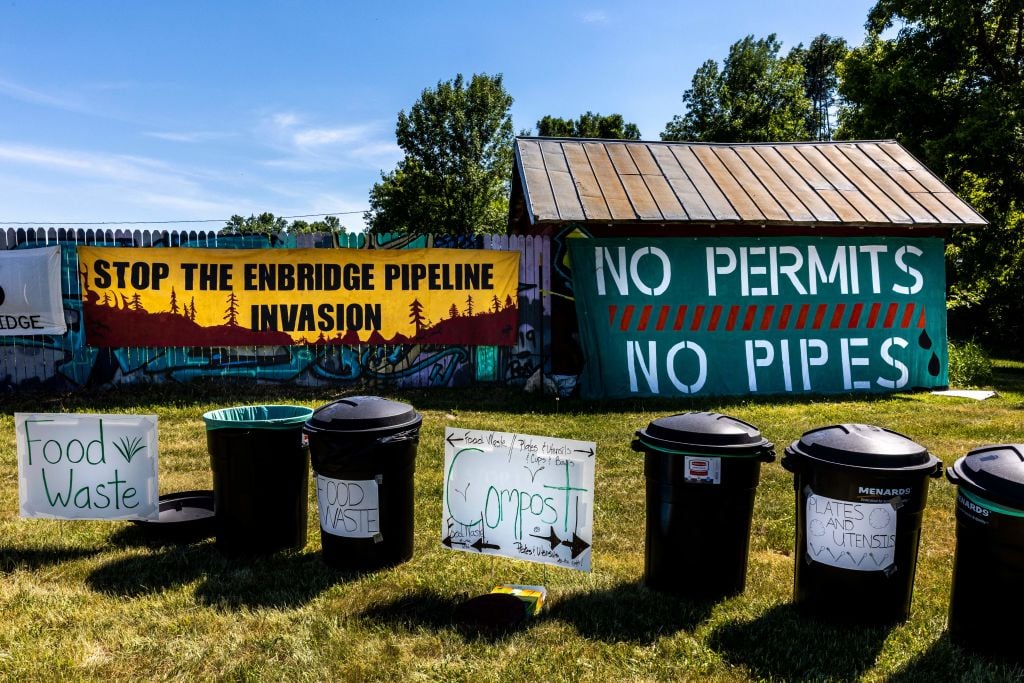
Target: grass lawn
[95, 601]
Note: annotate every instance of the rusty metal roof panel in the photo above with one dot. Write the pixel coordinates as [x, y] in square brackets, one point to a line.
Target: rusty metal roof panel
[833, 184]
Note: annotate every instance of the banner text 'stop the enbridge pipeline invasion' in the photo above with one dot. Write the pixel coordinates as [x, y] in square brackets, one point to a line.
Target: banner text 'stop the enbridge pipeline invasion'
[235, 297]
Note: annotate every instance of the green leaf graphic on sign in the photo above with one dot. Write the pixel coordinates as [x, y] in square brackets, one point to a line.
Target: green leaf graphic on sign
[129, 448]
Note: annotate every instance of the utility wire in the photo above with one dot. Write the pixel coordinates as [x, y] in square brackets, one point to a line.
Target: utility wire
[197, 220]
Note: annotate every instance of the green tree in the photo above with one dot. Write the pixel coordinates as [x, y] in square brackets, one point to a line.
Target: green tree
[454, 179]
[589, 125]
[269, 224]
[949, 85]
[820, 61]
[755, 96]
[263, 224]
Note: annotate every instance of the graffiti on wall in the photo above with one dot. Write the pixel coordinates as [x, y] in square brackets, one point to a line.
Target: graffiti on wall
[66, 362]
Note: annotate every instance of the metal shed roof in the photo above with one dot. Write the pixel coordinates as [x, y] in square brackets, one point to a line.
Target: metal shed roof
[814, 184]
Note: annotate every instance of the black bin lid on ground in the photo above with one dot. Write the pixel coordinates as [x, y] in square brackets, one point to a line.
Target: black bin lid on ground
[863, 446]
[368, 415]
[185, 516]
[993, 472]
[704, 433]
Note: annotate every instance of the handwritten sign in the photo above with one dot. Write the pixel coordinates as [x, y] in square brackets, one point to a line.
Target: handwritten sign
[348, 508]
[850, 534]
[87, 466]
[520, 496]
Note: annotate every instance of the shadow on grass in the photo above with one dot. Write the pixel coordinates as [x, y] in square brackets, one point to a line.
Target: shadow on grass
[436, 612]
[629, 612]
[944, 661]
[12, 559]
[784, 645]
[285, 580]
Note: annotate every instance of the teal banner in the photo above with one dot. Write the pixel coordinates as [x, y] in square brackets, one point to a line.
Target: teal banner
[779, 315]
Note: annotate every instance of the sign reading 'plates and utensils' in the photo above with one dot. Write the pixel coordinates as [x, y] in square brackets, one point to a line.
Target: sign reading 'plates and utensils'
[520, 496]
[73, 466]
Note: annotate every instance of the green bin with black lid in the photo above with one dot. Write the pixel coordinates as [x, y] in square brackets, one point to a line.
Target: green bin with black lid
[363, 452]
[860, 493]
[701, 471]
[988, 566]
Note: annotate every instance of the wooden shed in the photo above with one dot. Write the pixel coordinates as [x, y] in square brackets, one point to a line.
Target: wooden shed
[627, 189]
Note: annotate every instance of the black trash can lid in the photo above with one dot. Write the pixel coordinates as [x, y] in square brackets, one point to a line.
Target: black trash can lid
[863, 446]
[993, 472]
[371, 415]
[703, 433]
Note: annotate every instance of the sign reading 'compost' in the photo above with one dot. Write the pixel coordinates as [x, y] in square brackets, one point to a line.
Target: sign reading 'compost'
[87, 466]
[521, 496]
[700, 316]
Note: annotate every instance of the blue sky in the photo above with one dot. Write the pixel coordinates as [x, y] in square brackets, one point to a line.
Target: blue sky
[187, 110]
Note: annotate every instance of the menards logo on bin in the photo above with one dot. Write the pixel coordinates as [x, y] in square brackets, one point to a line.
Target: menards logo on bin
[760, 315]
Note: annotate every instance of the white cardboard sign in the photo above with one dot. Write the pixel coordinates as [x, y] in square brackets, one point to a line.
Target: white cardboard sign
[520, 496]
[73, 466]
[348, 508]
[850, 534]
[30, 298]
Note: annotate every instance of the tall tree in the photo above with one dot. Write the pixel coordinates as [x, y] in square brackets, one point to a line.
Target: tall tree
[821, 61]
[454, 179]
[589, 125]
[755, 96]
[949, 85]
[269, 224]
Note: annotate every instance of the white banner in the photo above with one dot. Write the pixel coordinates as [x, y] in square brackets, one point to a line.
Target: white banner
[517, 495]
[30, 297]
[87, 466]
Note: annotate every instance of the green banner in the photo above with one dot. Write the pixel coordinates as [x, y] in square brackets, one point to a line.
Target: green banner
[759, 315]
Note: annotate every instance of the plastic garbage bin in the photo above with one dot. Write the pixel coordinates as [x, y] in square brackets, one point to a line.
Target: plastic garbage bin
[363, 451]
[860, 492]
[989, 560]
[260, 478]
[701, 470]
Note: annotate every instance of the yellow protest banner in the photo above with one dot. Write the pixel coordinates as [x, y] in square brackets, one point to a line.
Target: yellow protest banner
[240, 297]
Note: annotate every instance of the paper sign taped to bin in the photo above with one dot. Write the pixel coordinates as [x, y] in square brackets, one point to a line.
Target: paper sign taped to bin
[520, 496]
[850, 534]
[73, 466]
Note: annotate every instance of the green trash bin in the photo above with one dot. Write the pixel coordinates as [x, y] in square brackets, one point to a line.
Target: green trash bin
[260, 464]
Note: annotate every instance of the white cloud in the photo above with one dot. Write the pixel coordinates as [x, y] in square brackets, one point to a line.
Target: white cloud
[187, 136]
[304, 148]
[595, 17]
[32, 96]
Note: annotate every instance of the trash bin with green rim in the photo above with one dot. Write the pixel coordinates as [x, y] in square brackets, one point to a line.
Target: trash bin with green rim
[260, 465]
[860, 494]
[363, 451]
[702, 471]
[988, 564]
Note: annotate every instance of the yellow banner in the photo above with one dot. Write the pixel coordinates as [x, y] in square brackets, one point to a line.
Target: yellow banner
[241, 297]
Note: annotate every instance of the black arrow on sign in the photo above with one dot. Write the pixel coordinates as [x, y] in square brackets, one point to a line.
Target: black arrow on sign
[450, 440]
[551, 538]
[577, 545]
[589, 452]
[480, 545]
[449, 542]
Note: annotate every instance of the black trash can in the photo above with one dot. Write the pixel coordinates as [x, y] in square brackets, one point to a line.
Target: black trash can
[260, 478]
[860, 492]
[363, 451]
[988, 566]
[702, 471]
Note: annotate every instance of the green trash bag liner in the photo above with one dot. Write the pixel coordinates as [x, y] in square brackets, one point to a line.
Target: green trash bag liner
[257, 417]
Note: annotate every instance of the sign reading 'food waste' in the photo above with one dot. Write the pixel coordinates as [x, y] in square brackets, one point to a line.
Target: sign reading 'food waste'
[520, 496]
[87, 466]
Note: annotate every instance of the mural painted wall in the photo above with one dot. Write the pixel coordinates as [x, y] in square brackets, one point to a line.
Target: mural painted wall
[65, 362]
